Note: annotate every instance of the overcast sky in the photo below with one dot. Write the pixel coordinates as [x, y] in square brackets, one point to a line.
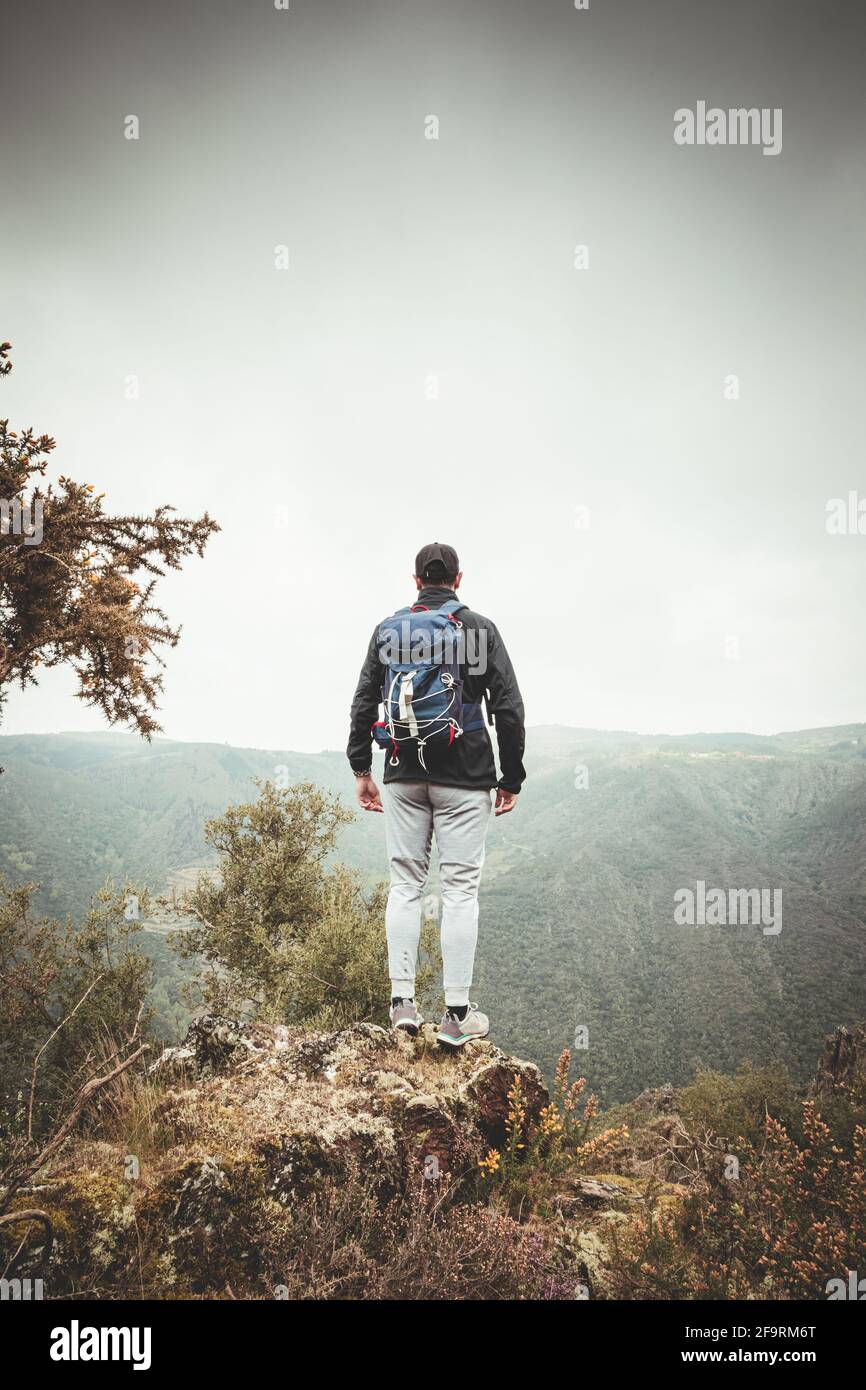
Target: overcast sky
[432, 365]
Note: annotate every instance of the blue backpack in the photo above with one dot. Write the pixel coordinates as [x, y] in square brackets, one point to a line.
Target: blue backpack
[422, 693]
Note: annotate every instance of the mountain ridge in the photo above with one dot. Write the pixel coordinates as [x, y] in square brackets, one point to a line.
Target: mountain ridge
[577, 902]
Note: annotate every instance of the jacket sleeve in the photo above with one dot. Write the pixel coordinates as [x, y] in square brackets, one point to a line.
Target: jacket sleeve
[365, 708]
[506, 706]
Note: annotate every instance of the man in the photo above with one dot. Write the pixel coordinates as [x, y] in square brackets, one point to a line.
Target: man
[438, 787]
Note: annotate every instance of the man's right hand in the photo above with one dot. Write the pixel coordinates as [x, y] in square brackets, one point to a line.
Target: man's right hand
[505, 802]
[368, 794]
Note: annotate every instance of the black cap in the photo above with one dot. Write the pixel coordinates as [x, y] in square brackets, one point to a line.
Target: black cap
[428, 555]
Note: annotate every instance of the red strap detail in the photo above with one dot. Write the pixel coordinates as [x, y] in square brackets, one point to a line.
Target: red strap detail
[451, 618]
[450, 734]
[419, 608]
[379, 724]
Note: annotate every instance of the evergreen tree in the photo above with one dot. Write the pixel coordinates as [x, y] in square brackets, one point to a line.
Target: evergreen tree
[77, 585]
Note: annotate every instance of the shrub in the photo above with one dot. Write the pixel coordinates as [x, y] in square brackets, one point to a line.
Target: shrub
[736, 1107]
[793, 1219]
[528, 1166]
[285, 938]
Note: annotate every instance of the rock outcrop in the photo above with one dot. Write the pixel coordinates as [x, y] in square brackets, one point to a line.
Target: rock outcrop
[842, 1061]
[252, 1120]
[311, 1101]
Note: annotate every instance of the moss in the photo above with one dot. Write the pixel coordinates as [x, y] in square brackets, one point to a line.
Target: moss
[629, 1183]
[94, 1231]
[205, 1222]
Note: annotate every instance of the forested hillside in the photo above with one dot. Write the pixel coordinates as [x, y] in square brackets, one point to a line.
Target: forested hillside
[583, 893]
[578, 929]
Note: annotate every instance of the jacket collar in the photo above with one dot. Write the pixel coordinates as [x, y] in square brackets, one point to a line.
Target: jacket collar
[434, 595]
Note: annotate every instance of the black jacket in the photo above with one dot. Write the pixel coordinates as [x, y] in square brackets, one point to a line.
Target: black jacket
[470, 762]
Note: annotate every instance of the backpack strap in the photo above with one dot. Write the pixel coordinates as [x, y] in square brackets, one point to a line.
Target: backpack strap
[450, 607]
[454, 606]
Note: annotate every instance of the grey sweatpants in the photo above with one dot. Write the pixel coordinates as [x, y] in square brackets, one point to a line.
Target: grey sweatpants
[458, 817]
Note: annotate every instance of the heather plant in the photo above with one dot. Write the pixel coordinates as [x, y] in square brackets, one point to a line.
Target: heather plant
[808, 1204]
[336, 1241]
[792, 1219]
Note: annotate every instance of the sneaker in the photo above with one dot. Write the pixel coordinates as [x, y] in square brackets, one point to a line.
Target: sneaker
[455, 1032]
[405, 1016]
